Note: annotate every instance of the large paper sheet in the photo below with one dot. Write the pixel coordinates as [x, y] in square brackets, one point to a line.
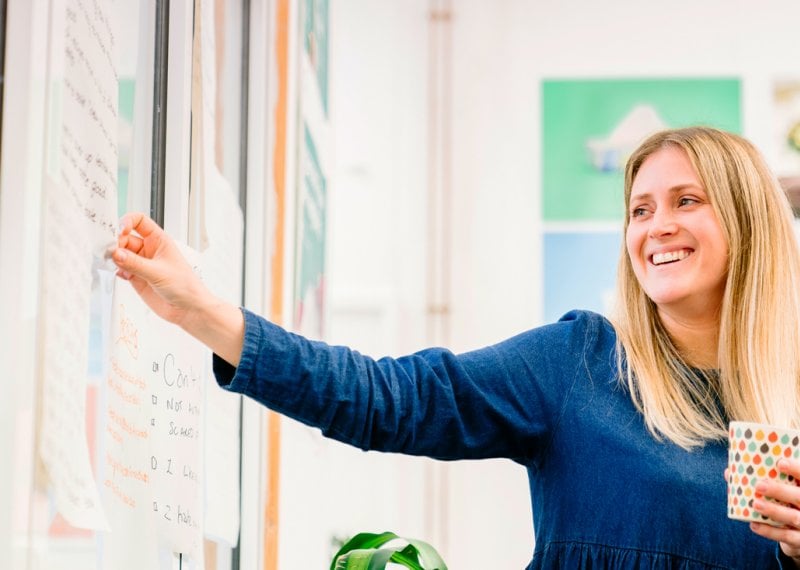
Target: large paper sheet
[128, 479]
[176, 368]
[222, 234]
[79, 222]
[154, 458]
[222, 263]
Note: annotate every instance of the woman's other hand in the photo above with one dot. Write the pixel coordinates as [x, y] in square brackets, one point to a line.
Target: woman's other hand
[786, 512]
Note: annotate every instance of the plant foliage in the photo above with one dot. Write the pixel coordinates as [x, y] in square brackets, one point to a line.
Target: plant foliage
[368, 551]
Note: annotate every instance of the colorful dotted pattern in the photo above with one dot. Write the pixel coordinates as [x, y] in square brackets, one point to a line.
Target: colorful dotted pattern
[752, 455]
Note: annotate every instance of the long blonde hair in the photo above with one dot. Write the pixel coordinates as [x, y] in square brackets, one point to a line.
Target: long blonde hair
[758, 376]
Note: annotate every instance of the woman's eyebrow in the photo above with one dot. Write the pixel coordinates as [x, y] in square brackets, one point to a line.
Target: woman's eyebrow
[673, 190]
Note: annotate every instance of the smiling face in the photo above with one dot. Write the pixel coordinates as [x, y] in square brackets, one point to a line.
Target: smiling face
[676, 245]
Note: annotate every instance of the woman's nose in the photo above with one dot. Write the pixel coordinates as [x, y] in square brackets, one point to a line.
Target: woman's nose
[663, 223]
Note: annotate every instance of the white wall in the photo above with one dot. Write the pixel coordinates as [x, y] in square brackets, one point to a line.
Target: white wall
[502, 51]
[376, 255]
[20, 211]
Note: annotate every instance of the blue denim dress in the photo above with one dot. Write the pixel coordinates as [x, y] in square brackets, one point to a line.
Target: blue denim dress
[605, 493]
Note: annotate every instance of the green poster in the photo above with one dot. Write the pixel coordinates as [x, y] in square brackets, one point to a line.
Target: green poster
[315, 34]
[126, 92]
[309, 281]
[590, 127]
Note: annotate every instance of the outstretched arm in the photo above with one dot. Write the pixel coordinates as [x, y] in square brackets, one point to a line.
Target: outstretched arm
[148, 258]
[499, 401]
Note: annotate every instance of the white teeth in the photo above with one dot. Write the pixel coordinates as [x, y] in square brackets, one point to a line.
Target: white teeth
[659, 258]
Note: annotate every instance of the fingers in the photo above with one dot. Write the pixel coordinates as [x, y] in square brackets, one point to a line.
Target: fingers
[789, 466]
[783, 509]
[780, 513]
[131, 264]
[785, 495]
[132, 256]
[788, 537]
[785, 491]
[140, 223]
[780, 491]
[131, 243]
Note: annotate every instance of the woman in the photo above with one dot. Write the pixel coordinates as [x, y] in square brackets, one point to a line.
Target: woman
[620, 425]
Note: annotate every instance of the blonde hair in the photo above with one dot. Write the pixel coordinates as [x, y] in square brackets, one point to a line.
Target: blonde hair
[758, 376]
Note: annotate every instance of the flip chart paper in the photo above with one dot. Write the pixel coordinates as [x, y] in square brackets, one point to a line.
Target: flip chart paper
[154, 458]
[79, 221]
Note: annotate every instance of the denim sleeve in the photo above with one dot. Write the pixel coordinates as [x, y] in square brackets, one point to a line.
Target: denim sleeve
[499, 401]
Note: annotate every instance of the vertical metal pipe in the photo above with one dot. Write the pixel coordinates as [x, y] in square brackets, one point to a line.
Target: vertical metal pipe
[446, 217]
[439, 228]
[244, 103]
[159, 112]
[433, 164]
[2, 59]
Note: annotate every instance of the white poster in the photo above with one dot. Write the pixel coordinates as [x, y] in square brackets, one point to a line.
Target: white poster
[222, 265]
[128, 480]
[222, 237]
[175, 367]
[79, 221]
[154, 454]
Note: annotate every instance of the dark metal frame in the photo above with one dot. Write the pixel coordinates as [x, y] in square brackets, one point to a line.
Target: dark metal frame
[157, 189]
[244, 103]
[3, 8]
[160, 64]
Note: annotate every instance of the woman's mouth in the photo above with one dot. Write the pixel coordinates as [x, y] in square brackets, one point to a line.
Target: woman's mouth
[670, 256]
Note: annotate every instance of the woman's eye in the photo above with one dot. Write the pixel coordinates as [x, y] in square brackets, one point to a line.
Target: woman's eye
[685, 201]
[638, 212]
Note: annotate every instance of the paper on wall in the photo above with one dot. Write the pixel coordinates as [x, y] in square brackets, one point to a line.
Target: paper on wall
[79, 221]
[222, 263]
[128, 481]
[222, 235]
[175, 365]
[154, 425]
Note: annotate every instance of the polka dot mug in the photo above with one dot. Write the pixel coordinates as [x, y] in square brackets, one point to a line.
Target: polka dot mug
[753, 453]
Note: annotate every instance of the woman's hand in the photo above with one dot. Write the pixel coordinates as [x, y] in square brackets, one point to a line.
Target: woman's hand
[150, 260]
[786, 514]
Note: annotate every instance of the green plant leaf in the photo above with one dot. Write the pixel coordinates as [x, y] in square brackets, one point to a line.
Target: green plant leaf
[430, 558]
[354, 560]
[362, 541]
[372, 559]
[381, 558]
[363, 552]
[408, 557]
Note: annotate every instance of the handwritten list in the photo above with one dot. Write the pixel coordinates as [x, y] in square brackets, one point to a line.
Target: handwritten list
[64, 357]
[127, 479]
[153, 463]
[79, 221]
[127, 434]
[88, 149]
[176, 369]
